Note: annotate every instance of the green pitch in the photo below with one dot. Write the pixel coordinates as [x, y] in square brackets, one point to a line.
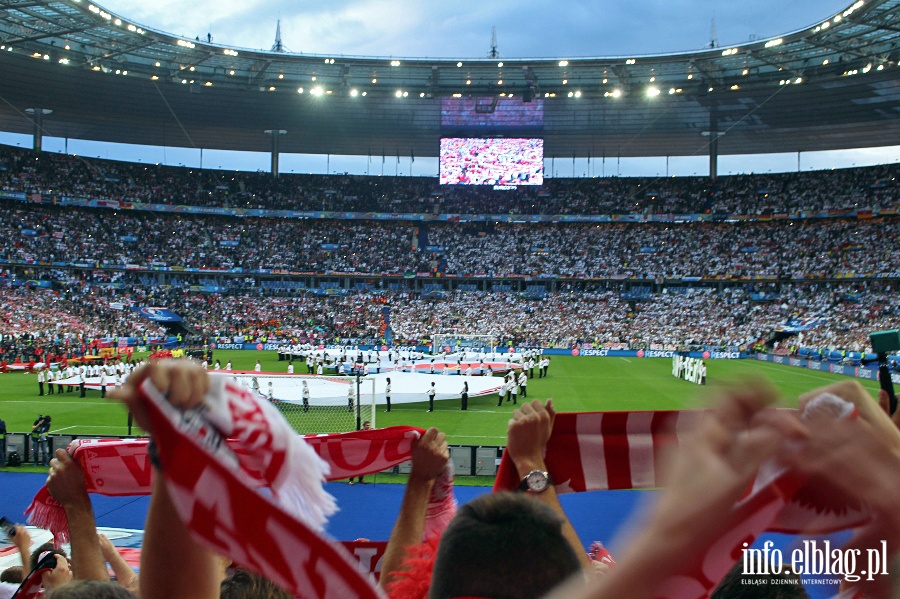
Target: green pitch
[575, 384]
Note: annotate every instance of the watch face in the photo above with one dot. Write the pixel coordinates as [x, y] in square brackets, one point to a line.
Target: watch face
[537, 481]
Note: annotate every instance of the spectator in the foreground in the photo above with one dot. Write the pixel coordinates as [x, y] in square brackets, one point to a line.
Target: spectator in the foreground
[429, 458]
[246, 585]
[366, 426]
[59, 575]
[90, 589]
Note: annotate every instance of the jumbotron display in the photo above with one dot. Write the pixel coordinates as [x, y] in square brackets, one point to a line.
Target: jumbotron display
[489, 161]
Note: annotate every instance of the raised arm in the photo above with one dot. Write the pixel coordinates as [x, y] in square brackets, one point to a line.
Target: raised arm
[66, 484]
[526, 438]
[173, 565]
[429, 458]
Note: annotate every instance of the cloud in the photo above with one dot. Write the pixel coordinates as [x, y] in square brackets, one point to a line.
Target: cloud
[437, 28]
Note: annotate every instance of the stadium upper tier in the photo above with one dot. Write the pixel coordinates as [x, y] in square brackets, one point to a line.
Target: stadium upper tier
[56, 175]
[830, 85]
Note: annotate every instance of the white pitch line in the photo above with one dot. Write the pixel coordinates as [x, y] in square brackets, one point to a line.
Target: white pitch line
[626, 359]
[64, 429]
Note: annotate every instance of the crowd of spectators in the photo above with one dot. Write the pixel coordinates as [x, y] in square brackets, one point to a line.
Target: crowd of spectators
[82, 306]
[831, 248]
[64, 175]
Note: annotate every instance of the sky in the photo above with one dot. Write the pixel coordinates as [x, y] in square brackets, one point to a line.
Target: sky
[462, 29]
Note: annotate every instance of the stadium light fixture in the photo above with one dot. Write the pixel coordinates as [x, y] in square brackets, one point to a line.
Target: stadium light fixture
[154, 78]
[354, 93]
[798, 80]
[605, 80]
[364, 94]
[745, 72]
[63, 61]
[773, 43]
[118, 22]
[231, 72]
[652, 92]
[459, 64]
[281, 75]
[825, 62]
[96, 67]
[67, 47]
[563, 63]
[46, 57]
[735, 87]
[457, 95]
[299, 90]
[500, 65]
[616, 93]
[570, 94]
[208, 84]
[468, 82]
[709, 89]
[577, 93]
[690, 76]
[157, 63]
[398, 93]
[271, 88]
[313, 78]
[671, 90]
[405, 94]
[124, 72]
[630, 61]
[565, 81]
[421, 94]
[652, 79]
[500, 82]
[184, 82]
[729, 52]
[229, 52]
[395, 63]
[317, 90]
[880, 67]
[374, 80]
[192, 69]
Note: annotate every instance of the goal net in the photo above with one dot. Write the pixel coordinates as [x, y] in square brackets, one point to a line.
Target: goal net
[328, 408]
[458, 343]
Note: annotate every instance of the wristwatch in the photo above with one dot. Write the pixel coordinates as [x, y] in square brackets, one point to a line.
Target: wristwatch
[535, 481]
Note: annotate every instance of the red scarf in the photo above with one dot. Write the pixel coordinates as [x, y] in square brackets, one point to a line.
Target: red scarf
[116, 467]
[624, 450]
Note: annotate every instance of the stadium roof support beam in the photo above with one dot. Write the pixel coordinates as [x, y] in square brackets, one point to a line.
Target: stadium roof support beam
[276, 148]
[34, 38]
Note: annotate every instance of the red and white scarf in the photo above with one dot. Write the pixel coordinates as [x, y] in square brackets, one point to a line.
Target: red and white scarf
[33, 584]
[626, 450]
[214, 484]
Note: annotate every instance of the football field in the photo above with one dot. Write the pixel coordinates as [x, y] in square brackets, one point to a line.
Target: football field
[576, 384]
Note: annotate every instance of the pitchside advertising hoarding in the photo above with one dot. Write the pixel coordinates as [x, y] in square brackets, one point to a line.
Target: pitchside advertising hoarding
[644, 353]
[860, 372]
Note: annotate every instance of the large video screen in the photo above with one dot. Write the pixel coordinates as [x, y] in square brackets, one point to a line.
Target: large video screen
[489, 161]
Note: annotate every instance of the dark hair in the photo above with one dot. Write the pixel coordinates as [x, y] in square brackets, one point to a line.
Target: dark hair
[786, 585]
[244, 585]
[36, 554]
[13, 575]
[504, 545]
[90, 589]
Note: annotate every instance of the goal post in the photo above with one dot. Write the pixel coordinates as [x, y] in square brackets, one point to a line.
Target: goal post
[450, 342]
[327, 410]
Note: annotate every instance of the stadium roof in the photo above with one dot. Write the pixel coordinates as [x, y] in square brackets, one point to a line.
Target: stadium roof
[833, 85]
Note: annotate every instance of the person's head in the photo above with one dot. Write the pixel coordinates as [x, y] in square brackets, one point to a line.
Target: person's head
[502, 545]
[90, 589]
[366, 425]
[12, 575]
[389, 380]
[60, 574]
[244, 585]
